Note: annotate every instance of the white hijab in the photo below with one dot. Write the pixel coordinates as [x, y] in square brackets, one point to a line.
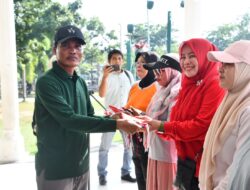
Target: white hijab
[223, 122]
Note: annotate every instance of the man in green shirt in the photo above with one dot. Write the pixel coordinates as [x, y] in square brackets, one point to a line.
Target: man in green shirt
[64, 117]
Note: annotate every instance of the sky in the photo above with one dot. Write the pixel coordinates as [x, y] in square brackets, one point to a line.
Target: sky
[116, 14]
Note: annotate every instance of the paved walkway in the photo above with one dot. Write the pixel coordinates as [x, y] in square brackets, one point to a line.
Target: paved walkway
[21, 175]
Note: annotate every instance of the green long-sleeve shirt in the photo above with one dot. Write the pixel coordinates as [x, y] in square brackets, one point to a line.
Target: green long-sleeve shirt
[64, 117]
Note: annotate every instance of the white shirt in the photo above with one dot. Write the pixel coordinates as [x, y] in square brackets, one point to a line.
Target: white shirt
[224, 159]
[118, 86]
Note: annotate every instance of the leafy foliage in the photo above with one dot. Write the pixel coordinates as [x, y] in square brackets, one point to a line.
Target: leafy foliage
[98, 42]
[157, 36]
[36, 23]
[228, 33]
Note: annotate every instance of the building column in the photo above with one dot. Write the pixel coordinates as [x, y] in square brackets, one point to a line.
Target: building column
[193, 18]
[11, 141]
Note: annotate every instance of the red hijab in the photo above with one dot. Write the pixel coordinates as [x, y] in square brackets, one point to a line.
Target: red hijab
[191, 95]
[196, 104]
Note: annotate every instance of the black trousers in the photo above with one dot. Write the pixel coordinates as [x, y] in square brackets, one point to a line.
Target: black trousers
[185, 176]
[140, 159]
[195, 184]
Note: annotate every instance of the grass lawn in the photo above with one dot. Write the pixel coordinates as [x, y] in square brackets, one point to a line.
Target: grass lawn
[26, 113]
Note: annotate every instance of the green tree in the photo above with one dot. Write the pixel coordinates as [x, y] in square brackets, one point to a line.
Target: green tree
[36, 22]
[228, 33]
[243, 28]
[98, 43]
[157, 36]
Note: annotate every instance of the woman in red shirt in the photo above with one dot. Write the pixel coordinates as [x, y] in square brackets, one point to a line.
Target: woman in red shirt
[196, 104]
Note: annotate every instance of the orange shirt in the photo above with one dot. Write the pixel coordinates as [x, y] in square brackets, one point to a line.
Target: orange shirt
[140, 98]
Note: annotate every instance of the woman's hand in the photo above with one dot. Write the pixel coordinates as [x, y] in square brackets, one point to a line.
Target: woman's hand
[153, 124]
[145, 118]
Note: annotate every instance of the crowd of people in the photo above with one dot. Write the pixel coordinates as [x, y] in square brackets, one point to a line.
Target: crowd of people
[185, 122]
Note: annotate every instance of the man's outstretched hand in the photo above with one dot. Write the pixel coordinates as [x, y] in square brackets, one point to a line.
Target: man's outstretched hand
[129, 126]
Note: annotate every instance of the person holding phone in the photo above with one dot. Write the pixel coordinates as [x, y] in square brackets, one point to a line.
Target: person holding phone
[115, 67]
[114, 86]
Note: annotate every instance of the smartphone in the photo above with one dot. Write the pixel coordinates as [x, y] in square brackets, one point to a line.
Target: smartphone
[115, 67]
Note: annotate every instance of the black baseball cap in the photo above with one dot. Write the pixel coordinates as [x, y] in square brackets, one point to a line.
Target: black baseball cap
[67, 32]
[164, 62]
